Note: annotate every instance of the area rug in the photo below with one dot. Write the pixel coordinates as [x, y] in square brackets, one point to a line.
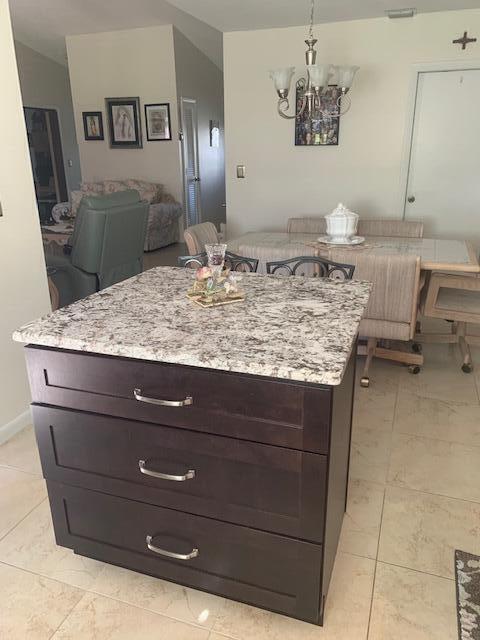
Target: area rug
[467, 578]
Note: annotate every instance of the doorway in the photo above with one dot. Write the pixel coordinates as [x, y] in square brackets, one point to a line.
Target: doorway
[443, 187]
[191, 178]
[46, 157]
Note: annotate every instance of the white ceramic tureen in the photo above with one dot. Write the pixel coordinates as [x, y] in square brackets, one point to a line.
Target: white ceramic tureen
[341, 224]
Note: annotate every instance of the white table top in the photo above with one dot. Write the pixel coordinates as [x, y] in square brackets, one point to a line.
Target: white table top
[435, 253]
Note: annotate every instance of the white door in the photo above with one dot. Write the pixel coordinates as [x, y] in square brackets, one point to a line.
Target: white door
[444, 174]
[191, 178]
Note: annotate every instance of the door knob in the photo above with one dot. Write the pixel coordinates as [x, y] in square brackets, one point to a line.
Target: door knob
[411, 198]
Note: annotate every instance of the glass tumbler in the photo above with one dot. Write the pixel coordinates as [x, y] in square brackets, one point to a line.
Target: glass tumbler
[216, 257]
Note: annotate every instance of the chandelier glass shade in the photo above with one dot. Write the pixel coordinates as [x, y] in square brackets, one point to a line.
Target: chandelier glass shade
[319, 78]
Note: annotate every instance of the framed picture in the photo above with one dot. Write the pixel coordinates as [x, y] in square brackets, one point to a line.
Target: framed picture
[93, 125]
[157, 122]
[318, 130]
[124, 123]
[214, 133]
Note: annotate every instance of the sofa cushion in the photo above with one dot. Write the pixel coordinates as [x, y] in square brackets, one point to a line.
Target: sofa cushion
[92, 187]
[149, 191]
[167, 198]
[114, 186]
[77, 196]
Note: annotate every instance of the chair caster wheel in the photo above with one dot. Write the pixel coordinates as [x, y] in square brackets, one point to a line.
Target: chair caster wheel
[417, 347]
[365, 382]
[414, 369]
[467, 368]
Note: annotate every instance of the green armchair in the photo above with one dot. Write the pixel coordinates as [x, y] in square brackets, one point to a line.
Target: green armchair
[106, 245]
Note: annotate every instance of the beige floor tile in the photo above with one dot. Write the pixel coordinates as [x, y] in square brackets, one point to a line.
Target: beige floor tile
[409, 605]
[374, 409]
[435, 418]
[32, 607]
[160, 596]
[21, 452]
[441, 377]
[346, 617]
[374, 406]
[369, 454]
[19, 493]
[421, 531]
[31, 545]
[435, 466]
[99, 618]
[361, 524]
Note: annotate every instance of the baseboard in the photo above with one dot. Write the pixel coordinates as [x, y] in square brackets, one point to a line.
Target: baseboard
[8, 430]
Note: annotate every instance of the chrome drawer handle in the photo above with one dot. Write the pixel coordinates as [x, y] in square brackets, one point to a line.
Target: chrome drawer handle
[164, 403]
[170, 554]
[165, 476]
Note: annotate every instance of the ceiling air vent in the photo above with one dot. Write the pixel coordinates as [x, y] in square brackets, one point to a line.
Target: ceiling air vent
[401, 13]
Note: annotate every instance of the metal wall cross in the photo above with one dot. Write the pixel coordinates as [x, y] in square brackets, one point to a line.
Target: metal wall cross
[464, 40]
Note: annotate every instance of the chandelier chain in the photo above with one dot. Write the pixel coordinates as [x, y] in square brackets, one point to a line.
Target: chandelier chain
[312, 9]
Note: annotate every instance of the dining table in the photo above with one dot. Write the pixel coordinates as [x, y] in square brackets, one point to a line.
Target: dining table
[436, 254]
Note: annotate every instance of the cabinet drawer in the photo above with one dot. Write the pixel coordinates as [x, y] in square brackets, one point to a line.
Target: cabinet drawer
[241, 406]
[270, 488]
[259, 568]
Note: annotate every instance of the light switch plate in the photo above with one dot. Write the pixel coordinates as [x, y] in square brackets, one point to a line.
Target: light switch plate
[1, 210]
[240, 171]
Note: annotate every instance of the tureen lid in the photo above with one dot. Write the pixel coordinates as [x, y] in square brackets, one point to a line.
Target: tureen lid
[341, 211]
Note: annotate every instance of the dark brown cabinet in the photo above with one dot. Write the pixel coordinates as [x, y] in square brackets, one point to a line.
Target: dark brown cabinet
[234, 484]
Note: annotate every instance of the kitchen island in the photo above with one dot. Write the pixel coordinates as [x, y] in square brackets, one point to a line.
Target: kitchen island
[208, 447]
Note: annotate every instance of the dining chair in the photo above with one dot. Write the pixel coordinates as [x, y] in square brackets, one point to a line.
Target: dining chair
[366, 227]
[233, 262]
[307, 225]
[316, 267]
[389, 322]
[198, 235]
[390, 227]
[453, 297]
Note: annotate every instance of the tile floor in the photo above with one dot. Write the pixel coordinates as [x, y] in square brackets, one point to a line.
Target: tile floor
[414, 497]
[165, 257]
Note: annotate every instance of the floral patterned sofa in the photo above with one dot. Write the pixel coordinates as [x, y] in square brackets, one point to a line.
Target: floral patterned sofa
[164, 210]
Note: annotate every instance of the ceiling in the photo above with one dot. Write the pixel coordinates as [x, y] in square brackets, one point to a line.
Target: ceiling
[238, 15]
[43, 24]
[44, 29]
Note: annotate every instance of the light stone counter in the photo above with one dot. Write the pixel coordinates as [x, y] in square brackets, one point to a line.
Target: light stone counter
[292, 328]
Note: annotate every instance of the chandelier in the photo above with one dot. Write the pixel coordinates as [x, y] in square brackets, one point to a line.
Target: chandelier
[319, 79]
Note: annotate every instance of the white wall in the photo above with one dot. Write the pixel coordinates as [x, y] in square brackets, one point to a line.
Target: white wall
[364, 171]
[197, 77]
[45, 84]
[23, 283]
[130, 63]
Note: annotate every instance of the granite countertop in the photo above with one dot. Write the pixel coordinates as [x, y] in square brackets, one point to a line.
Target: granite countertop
[293, 328]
